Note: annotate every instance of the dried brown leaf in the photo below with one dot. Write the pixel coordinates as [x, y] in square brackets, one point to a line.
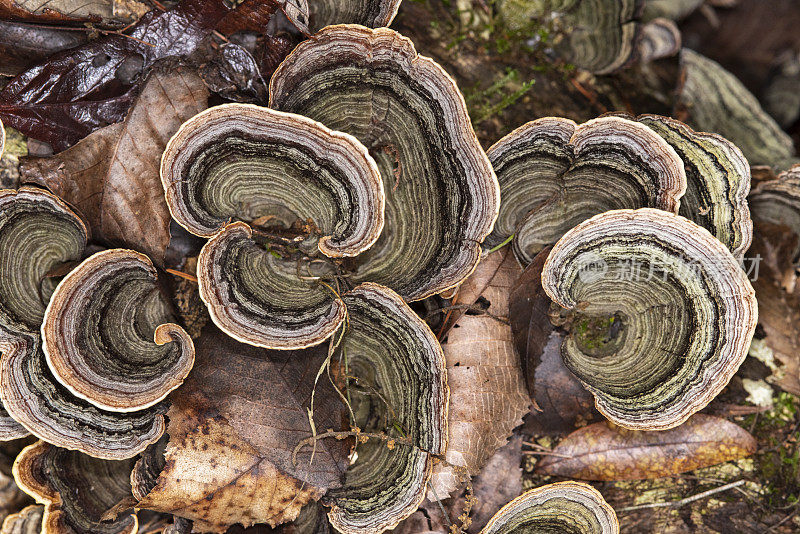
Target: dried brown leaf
[602, 451]
[487, 391]
[112, 176]
[499, 482]
[233, 426]
[72, 10]
[561, 403]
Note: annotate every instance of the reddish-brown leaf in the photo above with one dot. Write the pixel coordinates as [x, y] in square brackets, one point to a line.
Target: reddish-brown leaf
[80, 90]
[602, 451]
[112, 176]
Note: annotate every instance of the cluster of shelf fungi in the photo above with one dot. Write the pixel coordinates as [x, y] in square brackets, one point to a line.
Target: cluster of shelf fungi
[89, 357]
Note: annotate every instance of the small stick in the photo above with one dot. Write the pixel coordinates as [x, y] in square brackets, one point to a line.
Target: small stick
[182, 274]
[685, 501]
[547, 453]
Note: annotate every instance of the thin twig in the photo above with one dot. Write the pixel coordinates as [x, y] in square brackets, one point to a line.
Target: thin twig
[183, 275]
[547, 453]
[687, 500]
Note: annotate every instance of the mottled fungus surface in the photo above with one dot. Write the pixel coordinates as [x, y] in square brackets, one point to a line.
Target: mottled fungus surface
[369, 13]
[309, 193]
[717, 181]
[716, 101]
[441, 193]
[108, 334]
[39, 237]
[38, 233]
[597, 35]
[776, 207]
[75, 489]
[554, 174]
[390, 348]
[563, 507]
[675, 310]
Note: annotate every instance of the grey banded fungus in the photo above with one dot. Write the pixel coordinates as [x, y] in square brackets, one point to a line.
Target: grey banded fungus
[554, 174]
[26, 521]
[52, 413]
[108, 336]
[676, 312]
[276, 171]
[75, 489]
[242, 162]
[659, 38]
[441, 193]
[369, 13]
[717, 181]
[259, 298]
[777, 203]
[38, 233]
[718, 102]
[563, 507]
[391, 348]
[597, 35]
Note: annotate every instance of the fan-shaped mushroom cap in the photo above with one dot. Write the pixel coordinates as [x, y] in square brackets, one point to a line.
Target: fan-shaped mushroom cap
[38, 232]
[718, 102]
[242, 162]
[76, 489]
[554, 174]
[441, 193]
[256, 296]
[389, 347]
[684, 310]
[671, 9]
[107, 334]
[48, 410]
[717, 181]
[26, 521]
[659, 38]
[560, 507]
[369, 13]
[598, 36]
[777, 202]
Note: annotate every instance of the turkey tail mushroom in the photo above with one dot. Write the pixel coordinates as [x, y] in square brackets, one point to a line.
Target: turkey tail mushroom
[554, 174]
[75, 489]
[108, 337]
[560, 507]
[441, 193]
[276, 171]
[662, 314]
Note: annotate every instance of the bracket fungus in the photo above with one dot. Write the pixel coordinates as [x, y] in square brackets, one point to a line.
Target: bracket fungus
[76, 490]
[718, 102]
[369, 13]
[560, 507]
[549, 179]
[107, 334]
[44, 236]
[599, 36]
[252, 163]
[717, 181]
[38, 233]
[441, 193]
[777, 203]
[675, 311]
[554, 174]
[389, 346]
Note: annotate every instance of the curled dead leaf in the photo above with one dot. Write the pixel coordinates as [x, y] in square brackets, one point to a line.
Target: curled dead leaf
[487, 392]
[602, 451]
